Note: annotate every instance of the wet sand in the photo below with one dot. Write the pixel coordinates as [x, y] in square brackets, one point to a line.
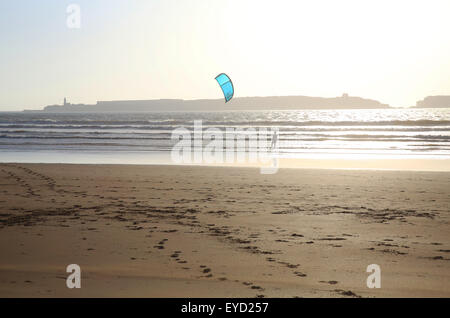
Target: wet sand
[173, 231]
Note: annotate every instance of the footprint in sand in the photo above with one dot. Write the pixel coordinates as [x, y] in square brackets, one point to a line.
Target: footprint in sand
[331, 282]
[436, 257]
[160, 244]
[300, 274]
[347, 293]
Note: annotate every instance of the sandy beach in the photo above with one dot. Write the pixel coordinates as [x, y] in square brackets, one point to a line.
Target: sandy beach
[183, 231]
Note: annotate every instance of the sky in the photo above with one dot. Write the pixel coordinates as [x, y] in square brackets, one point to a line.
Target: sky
[396, 52]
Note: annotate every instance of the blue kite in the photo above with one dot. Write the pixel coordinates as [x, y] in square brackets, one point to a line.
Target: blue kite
[226, 85]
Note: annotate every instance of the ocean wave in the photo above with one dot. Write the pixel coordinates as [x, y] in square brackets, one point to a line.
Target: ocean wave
[230, 123]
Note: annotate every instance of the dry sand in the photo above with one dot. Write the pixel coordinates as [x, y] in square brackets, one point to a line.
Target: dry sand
[173, 231]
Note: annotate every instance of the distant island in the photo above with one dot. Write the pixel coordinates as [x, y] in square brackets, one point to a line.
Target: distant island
[434, 102]
[238, 103]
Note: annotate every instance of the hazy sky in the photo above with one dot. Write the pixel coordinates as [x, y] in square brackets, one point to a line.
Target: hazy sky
[394, 51]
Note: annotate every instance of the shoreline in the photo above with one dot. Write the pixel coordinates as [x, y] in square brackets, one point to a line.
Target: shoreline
[440, 164]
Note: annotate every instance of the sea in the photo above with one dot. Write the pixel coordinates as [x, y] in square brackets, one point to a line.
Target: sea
[147, 137]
